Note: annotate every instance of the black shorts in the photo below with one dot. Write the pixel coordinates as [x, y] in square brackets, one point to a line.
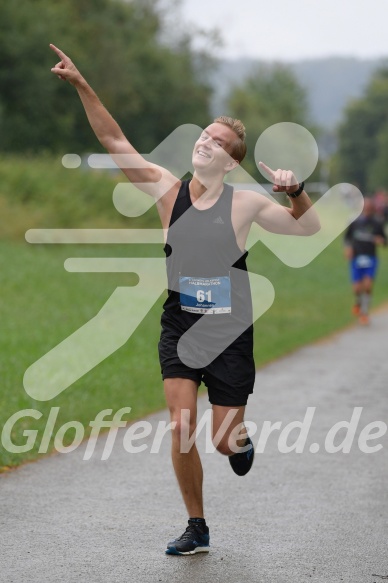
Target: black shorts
[229, 378]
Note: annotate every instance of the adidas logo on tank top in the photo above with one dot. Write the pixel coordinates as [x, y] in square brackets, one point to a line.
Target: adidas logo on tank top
[219, 221]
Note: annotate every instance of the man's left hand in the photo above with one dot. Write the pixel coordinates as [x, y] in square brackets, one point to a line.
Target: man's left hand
[283, 180]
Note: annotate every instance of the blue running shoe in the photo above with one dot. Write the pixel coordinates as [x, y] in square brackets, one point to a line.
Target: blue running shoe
[194, 540]
[242, 462]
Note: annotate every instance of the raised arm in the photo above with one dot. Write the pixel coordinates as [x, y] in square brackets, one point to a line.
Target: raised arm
[287, 221]
[150, 178]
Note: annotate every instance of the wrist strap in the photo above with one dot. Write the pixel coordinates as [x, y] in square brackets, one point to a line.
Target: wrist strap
[297, 192]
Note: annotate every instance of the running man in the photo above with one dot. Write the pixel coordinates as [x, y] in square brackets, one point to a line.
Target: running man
[361, 240]
[207, 332]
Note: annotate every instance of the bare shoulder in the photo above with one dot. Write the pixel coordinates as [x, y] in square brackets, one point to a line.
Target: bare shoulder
[249, 202]
[250, 196]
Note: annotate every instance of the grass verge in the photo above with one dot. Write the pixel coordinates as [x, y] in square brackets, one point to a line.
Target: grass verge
[41, 304]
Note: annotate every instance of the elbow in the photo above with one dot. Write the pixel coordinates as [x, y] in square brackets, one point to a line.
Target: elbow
[310, 227]
[315, 228]
[313, 231]
[111, 144]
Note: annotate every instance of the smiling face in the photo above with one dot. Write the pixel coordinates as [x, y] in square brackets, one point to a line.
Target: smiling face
[211, 150]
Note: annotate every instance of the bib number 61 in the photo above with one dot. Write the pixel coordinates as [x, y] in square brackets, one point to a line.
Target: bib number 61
[201, 295]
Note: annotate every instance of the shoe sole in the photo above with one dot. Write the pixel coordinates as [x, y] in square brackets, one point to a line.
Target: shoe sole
[173, 551]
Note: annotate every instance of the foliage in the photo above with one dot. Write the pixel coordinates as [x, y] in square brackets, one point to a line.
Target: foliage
[38, 192]
[149, 86]
[363, 137]
[271, 94]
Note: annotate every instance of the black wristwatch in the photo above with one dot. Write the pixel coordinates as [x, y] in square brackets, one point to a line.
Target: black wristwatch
[297, 192]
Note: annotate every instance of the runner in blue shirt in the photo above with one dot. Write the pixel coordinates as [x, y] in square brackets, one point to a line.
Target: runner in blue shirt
[361, 240]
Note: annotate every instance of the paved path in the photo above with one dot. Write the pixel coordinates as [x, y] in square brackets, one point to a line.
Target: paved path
[295, 518]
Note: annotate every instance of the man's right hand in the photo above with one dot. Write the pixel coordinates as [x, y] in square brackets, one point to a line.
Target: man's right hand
[150, 178]
[65, 69]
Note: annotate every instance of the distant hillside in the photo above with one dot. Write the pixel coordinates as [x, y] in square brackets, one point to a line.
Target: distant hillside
[330, 83]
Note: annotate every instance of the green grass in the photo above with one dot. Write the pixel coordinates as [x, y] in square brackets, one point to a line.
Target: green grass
[41, 193]
[41, 304]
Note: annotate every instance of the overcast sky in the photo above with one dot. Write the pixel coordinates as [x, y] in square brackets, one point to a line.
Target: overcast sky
[294, 29]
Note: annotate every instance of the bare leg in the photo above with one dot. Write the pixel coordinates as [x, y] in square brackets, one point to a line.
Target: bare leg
[367, 286]
[182, 394]
[357, 290]
[228, 428]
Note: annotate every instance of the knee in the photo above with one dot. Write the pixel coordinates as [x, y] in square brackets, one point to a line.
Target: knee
[223, 447]
[182, 426]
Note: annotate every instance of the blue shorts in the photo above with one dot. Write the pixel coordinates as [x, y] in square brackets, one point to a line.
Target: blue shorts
[363, 266]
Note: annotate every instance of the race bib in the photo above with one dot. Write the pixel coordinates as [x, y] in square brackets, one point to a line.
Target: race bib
[364, 261]
[205, 295]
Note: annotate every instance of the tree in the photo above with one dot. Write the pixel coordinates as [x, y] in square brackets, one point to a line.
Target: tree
[150, 87]
[362, 137]
[270, 95]
[378, 169]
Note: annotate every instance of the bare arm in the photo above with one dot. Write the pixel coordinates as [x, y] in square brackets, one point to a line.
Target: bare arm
[150, 178]
[287, 221]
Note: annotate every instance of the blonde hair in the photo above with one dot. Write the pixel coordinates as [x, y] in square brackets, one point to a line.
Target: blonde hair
[238, 147]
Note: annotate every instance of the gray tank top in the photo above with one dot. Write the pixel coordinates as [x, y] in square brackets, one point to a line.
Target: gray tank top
[207, 275]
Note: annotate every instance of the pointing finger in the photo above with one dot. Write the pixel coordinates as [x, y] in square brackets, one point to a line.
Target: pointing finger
[268, 170]
[58, 51]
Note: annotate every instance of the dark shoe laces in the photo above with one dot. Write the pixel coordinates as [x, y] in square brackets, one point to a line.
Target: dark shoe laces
[191, 529]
